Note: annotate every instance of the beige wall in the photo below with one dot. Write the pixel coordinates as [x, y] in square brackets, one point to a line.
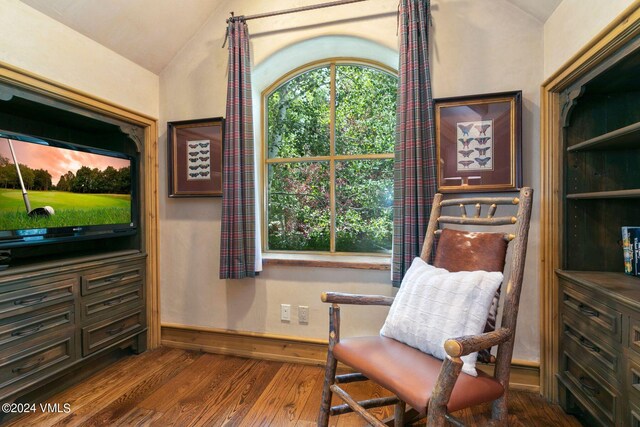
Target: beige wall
[478, 47]
[34, 42]
[573, 24]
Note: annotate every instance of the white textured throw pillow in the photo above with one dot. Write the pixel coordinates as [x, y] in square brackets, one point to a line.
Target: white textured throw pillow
[433, 305]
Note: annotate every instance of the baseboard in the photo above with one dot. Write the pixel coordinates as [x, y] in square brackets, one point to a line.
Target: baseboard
[525, 375]
[245, 344]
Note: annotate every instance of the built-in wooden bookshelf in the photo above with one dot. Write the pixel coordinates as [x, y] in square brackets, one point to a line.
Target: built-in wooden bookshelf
[599, 307]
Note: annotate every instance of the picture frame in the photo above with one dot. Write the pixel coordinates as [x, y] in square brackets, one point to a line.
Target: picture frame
[479, 142]
[195, 157]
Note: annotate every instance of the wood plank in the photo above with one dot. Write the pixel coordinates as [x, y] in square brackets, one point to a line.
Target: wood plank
[190, 403]
[115, 391]
[297, 397]
[618, 194]
[184, 383]
[139, 417]
[129, 399]
[233, 407]
[272, 401]
[626, 137]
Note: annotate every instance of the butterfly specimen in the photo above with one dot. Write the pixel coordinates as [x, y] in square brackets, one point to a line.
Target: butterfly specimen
[483, 140]
[204, 151]
[193, 154]
[482, 161]
[194, 167]
[193, 145]
[193, 175]
[465, 142]
[482, 129]
[465, 163]
[204, 173]
[465, 128]
[203, 144]
[204, 159]
[482, 151]
[193, 160]
[466, 153]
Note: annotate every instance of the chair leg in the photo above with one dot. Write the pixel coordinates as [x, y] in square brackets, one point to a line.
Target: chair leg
[329, 379]
[398, 416]
[499, 413]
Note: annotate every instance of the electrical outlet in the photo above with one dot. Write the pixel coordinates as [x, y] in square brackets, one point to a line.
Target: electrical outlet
[303, 314]
[285, 312]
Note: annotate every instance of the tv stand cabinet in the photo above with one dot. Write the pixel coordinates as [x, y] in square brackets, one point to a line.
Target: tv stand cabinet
[56, 316]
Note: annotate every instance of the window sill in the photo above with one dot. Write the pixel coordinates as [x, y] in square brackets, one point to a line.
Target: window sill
[360, 262]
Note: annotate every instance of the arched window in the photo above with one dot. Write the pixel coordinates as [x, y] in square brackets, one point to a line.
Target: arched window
[328, 159]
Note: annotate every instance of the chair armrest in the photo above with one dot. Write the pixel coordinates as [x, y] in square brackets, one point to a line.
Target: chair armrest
[457, 347]
[341, 298]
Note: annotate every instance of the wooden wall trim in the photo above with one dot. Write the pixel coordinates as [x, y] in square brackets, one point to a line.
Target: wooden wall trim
[25, 79]
[524, 374]
[625, 27]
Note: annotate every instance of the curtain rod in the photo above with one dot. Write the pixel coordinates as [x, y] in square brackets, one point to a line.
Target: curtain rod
[294, 10]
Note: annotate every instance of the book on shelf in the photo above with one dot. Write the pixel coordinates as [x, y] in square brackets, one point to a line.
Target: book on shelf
[631, 250]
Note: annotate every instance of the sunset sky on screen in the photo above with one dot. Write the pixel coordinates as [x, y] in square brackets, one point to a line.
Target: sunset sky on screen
[57, 161]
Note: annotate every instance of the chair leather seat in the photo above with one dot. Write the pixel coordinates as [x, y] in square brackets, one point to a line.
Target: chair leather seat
[412, 374]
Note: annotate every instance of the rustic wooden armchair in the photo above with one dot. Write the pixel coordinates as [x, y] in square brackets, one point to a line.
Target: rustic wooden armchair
[432, 387]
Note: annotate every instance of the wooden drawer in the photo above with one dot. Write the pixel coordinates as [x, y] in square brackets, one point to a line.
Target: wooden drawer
[597, 318]
[634, 416]
[114, 276]
[34, 298]
[17, 369]
[102, 334]
[113, 300]
[47, 321]
[634, 333]
[599, 397]
[589, 350]
[632, 374]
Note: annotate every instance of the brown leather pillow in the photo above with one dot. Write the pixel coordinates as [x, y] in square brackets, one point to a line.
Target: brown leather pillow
[470, 251]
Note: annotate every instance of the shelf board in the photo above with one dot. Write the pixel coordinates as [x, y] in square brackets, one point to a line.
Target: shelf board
[618, 194]
[626, 137]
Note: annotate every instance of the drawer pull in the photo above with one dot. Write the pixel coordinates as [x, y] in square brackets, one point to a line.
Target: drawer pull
[113, 302]
[28, 368]
[116, 330]
[25, 332]
[587, 311]
[30, 301]
[589, 345]
[592, 390]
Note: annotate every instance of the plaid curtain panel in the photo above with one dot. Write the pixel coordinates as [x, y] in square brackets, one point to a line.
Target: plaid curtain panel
[415, 157]
[238, 235]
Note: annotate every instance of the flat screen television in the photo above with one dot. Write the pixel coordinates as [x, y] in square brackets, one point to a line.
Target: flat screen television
[62, 192]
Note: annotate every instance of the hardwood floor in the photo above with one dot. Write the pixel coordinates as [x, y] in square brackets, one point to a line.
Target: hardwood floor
[171, 387]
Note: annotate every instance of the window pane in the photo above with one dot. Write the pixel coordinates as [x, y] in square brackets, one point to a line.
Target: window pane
[298, 116]
[364, 201]
[298, 206]
[365, 110]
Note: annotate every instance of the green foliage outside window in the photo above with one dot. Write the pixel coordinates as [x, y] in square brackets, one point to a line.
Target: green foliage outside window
[330, 170]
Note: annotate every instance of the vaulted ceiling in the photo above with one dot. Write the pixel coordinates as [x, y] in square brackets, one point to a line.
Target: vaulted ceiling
[151, 32]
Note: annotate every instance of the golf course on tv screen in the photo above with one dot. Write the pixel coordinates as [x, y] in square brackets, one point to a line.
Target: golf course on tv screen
[64, 187]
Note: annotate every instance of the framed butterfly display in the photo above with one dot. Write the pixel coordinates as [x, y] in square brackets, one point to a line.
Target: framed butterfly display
[478, 142]
[195, 157]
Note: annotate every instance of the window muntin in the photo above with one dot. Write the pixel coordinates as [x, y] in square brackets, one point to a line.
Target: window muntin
[329, 139]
